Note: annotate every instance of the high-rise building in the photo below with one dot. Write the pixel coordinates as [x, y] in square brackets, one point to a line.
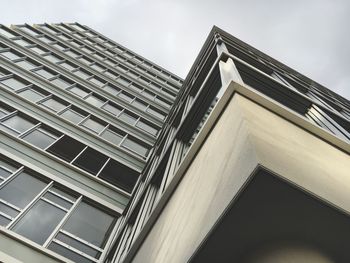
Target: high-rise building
[107, 157]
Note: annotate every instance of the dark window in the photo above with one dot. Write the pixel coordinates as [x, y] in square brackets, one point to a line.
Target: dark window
[66, 148]
[39, 222]
[119, 175]
[58, 200]
[90, 160]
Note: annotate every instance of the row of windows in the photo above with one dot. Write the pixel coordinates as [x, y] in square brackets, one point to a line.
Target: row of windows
[83, 119]
[51, 215]
[73, 67]
[90, 97]
[103, 44]
[96, 54]
[68, 149]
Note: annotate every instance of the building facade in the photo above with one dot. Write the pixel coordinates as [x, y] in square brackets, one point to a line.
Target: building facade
[107, 157]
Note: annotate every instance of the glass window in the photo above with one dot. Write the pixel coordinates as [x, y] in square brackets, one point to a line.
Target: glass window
[68, 66]
[58, 200]
[93, 125]
[10, 55]
[4, 221]
[78, 245]
[72, 116]
[139, 104]
[39, 222]
[6, 33]
[40, 138]
[112, 109]
[6, 168]
[97, 67]
[54, 104]
[19, 123]
[90, 224]
[8, 210]
[156, 113]
[44, 73]
[125, 96]
[61, 83]
[26, 64]
[52, 58]
[38, 50]
[98, 82]
[146, 127]
[59, 46]
[31, 95]
[131, 119]
[90, 160]
[65, 194]
[94, 101]
[82, 74]
[119, 175]
[75, 257]
[29, 31]
[123, 81]
[111, 89]
[112, 137]
[135, 146]
[21, 190]
[66, 148]
[78, 91]
[14, 84]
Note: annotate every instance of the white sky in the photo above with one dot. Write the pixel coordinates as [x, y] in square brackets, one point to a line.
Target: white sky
[311, 36]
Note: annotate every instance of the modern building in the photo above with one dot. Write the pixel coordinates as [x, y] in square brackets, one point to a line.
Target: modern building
[107, 157]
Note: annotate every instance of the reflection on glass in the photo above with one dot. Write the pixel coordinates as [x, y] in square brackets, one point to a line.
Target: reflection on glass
[39, 222]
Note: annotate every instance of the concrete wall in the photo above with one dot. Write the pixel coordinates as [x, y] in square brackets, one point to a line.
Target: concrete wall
[245, 135]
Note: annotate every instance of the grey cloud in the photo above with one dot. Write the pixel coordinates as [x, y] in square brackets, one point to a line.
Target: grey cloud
[309, 36]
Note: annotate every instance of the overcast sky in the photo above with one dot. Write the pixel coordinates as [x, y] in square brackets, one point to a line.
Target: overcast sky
[311, 36]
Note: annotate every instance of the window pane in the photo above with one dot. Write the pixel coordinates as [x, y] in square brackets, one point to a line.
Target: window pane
[39, 222]
[128, 118]
[90, 224]
[14, 84]
[57, 200]
[8, 210]
[67, 66]
[68, 253]
[4, 172]
[18, 123]
[6, 33]
[21, 190]
[44, 73]
[82, 74]
[61, 83]
[125, 96]
[78, 245]
[72, 116]
[91, 160]
[38, 50]
[94, 101]
[136, 147]
[66, 148]
[79, 91]
[139, 104]
[93, 125]
[111, 89]
[26, 65]
[112, 137]
[10, 55]
[112, 109]
[146, 127]
[156, 113]
[63, 193]
[31, 95]
[97, 82]
[4, 221]
[53, 59]
[40, 138]
[54, 105]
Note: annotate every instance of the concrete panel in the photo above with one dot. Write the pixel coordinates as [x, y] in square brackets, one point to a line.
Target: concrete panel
[221, 167]
[245, 135]
[298, 155]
